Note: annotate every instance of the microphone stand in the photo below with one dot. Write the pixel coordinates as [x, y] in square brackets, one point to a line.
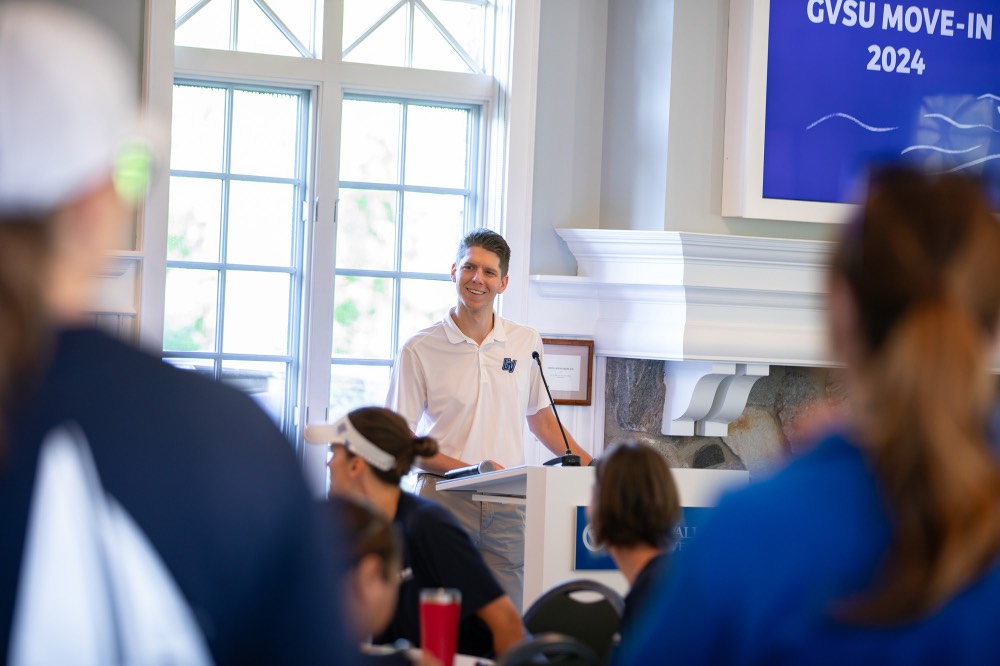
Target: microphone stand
[568, 459]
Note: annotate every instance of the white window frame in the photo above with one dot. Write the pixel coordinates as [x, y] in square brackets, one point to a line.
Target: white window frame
[507, 125]
[473, 217]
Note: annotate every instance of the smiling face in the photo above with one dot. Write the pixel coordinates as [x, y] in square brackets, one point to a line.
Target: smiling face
[478, 280]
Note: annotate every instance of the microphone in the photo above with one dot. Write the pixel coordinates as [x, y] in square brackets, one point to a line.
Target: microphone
[568, 459]
[462, 472]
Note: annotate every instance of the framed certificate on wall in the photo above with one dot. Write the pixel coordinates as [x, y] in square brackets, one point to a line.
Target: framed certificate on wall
[820, 91]
[569, 369]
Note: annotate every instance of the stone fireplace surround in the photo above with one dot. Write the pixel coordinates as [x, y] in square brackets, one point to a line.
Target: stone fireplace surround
[712, 347]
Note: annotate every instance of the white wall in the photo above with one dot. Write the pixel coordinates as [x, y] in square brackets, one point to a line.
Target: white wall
[660, 154]
[568, 128]
[637, 113]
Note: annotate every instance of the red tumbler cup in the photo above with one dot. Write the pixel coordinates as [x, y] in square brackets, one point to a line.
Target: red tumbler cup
[439, 612]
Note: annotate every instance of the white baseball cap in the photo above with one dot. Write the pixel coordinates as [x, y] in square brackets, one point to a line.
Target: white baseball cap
[68, 106]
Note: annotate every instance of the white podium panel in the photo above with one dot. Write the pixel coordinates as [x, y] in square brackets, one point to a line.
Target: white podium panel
[551, 495]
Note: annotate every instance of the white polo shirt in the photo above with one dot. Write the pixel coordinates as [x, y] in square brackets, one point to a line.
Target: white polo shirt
[471, 398]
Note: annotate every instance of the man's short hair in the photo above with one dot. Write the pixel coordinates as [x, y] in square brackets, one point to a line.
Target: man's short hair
[636, 499]
[488, 240]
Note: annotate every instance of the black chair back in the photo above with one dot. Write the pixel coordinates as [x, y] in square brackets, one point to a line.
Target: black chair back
[571, 608]
[549, 648]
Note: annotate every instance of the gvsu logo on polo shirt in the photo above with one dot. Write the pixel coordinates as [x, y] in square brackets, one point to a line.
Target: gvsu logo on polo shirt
[508, 364]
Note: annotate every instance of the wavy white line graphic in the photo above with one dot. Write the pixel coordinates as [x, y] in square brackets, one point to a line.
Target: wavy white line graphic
[949, 151]
[995, 156]
[989, 96]
[958, 124]
[870, 128]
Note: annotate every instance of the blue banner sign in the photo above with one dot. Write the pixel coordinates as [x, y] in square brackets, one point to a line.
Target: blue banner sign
[851, 83]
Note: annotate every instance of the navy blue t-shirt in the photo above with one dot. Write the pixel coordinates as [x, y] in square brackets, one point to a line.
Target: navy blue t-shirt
[639, 594]
[210, 481]
[437, 552]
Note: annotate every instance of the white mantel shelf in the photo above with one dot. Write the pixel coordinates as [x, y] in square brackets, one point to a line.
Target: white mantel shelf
[719, 309]
[682, 296]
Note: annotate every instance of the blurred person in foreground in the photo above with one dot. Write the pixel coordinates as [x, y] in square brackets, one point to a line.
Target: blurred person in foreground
[374, 557]
[371, 449]
[147, 515]
[880, 544]
[634, 508]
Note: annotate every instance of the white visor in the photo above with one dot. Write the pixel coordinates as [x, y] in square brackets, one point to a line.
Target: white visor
[343, 432]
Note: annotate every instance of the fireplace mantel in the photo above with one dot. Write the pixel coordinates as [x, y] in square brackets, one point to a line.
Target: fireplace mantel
[682, 296]
[721, 309]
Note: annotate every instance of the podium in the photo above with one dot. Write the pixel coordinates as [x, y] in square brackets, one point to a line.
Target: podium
[551, 496]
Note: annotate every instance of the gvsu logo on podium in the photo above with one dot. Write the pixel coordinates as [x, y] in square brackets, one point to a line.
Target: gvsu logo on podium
[588, 555]
[508, 364]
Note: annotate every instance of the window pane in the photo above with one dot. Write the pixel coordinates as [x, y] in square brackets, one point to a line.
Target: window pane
[189, 317]
[208, 29]
[465, 21]
[256, 33]
[256, 313]
[260, 223]
[431, 50]
[264, 381]
[264, 131]
[195, 204]
[362, 317]
[366, 229]
[203, 366]
[359, 15]
[181, 6]
[198, 128]
[369, 144]
[436, 146]
[299, 17]
[353, 386]
[423, 302]
[432, 231]
[385, 46]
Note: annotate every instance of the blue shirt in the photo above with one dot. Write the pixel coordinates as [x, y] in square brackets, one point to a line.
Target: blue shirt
[761, 582]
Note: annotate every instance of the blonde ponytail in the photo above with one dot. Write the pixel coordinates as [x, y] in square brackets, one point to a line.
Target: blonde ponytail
[932, 393]
[922, 264]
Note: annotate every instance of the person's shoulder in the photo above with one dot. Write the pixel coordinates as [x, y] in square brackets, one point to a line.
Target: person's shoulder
[98, 352]
[657, 566]
[825, 494]
[512, 327]
[420, 508]
[146, 387]
[832, 460]
[432, 333]
[423, 514]
[519, 334]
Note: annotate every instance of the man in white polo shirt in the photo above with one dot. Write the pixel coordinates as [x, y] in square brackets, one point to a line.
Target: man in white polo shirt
[470, 381]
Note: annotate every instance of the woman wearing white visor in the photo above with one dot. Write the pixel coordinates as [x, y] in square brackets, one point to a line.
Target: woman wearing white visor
[370, 450]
